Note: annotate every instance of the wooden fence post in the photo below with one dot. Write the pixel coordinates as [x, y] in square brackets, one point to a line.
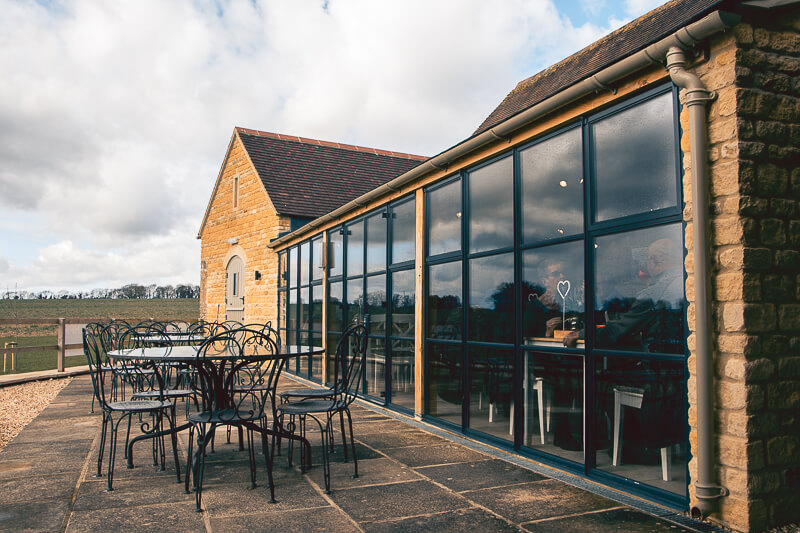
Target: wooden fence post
[61, 344]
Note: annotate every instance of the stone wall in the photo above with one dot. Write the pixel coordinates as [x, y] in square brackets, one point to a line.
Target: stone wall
[254, 223]
[754, 133]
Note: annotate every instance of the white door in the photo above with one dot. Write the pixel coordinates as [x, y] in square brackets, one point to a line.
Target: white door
[234, 289]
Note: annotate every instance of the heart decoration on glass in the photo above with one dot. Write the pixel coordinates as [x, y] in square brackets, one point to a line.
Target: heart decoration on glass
[563, 289]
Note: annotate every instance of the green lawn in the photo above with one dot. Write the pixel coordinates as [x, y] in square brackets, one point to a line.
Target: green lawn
[91, 310]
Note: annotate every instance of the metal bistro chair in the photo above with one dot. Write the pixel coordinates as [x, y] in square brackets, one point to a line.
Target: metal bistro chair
[114, 412]
[350, 353]
[237, 372]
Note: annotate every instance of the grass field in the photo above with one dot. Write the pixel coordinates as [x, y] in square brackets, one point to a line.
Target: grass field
[88, 309]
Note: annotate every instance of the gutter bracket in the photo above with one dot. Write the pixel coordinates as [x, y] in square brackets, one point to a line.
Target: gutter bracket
[499, 137]
[602, 86]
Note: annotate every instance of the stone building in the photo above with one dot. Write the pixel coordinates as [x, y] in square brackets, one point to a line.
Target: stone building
[549, 285]
[270, 184]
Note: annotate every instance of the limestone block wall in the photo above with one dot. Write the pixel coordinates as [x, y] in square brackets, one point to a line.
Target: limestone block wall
[254, 223]
[754, 135]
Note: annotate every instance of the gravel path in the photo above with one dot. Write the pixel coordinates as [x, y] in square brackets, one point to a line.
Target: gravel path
[19, 404]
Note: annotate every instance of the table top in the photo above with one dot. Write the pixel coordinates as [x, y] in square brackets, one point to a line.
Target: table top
[189, 353]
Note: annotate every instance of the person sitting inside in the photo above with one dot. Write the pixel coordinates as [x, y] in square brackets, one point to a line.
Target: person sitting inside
[653, 323]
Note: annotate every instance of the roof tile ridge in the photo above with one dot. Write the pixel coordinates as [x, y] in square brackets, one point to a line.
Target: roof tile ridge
[330, 144]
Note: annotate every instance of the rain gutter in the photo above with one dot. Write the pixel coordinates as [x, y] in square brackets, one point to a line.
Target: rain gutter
[684, 38]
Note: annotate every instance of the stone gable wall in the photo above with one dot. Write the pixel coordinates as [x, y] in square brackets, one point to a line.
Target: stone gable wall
[754, 140]
[254, 223]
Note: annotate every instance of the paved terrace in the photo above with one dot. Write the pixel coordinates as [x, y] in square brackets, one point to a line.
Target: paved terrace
[413, 477]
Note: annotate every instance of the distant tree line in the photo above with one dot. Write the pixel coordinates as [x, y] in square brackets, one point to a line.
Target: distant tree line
[131, 291]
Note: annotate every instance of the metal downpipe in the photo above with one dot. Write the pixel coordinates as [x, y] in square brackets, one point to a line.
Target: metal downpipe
[706, 490]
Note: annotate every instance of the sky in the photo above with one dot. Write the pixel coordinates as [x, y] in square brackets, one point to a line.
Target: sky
[115, 115]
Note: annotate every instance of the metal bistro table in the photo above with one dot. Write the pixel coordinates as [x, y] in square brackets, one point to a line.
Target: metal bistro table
[214, 370]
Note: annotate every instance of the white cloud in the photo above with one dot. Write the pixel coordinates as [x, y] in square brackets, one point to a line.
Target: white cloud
[114, 116]
[636, 8]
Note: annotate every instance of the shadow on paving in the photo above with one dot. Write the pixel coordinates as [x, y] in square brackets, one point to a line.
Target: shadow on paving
[410, 480]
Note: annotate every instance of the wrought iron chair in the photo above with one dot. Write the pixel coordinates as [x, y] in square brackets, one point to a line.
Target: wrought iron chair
[237, 373]
[350, 354]
[114, 412]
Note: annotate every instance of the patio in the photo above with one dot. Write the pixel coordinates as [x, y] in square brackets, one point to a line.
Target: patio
[413, 477]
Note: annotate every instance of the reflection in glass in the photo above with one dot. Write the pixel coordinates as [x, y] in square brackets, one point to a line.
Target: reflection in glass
[634, 160]
[552, 394]
[643, 406]
[281, 309]
[376, 304]
[335, 307]
[304, 309]
[444, 301]
[305, 261]
[292, 318]
[444, 219]
[316, 359]
[316, 265]
[304, 361]
[316, 308]
[639, 299]
[335, 252]
[355, 301]
[444, 389]
[403, 304]
[491, 206]
[491, 393]
[376, 243]
[552, 187]
[404, 232]
[403, 373]
[491, 298]
[552, 292]
[330, 353]
[355, 249]
[283, 272]
[375, 368]
[293, 266]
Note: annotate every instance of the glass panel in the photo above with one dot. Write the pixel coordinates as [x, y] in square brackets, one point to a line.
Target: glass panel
[283, 272]
[403, 373]
[376, 243]
[444, 219]
[355, 301]
[376, 304]
[304, 310]
[639, 302]
[316, 308]
[444, 301]
[642, 429]
[404, 232]
[491, 298]
[403, 304]
[491, 206]
[281, 310]
[552, 293]
[302, 362]
[375, 370]
[316, 261]
[335, 306]
[634, 160]
[491, 378]
[444, 392]
[552, 394]
[355, 249]
[305, 262]
[335, 257]
[330, 353]
[293, 266]
[292, 320]
[316, 359]
[552, 187]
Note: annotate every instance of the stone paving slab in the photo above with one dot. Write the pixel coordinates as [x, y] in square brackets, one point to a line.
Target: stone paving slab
[410, 479]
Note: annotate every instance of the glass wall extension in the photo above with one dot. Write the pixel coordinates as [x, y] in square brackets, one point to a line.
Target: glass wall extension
[371, 278]
[300, 303]
[518, 249]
